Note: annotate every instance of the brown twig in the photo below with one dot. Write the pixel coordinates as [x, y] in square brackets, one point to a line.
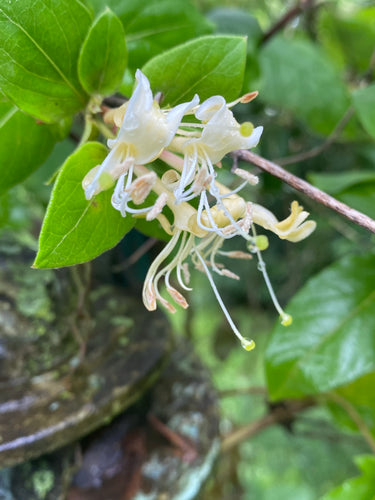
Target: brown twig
[306, 188]
[278, 415]
[140, 252]
[261, 391]
[296, 10]
[282, 22]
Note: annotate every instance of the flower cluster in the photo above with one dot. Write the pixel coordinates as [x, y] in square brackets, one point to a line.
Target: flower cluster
[204, 211]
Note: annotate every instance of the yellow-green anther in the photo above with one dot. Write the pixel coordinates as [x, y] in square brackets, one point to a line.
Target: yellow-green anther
[286, 319]
[246, 129]
[261, 242]
[248, 344]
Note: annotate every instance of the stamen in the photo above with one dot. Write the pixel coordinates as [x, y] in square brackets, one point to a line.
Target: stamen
[159, 204]
[236, 254]
[286, 319]
[229, 274]
[178, 297]
[141, 187]
[247, 176]
[246, 344]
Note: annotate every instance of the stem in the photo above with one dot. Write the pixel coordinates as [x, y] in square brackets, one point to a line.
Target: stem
[242, 391]
[356, 417]
[278, 415]
[86, 131]
[306, 188]
[335, 134]
[282, 22]
[296, 10]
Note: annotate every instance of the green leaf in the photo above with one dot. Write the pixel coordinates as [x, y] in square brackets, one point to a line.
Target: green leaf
[360, 197]
[152, 26]
[103, 57]
[359, 488]
[364, 103]
[24, 145]
[337, 182]
[356, 188]
[331, 340]
[207, 66]
[39, 47]
[76, 230]
[237, 22]
[349, 40]
[297, 76]
[361, 397]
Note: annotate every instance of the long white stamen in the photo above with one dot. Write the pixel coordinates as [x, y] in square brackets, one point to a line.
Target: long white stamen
[245, 342]
[286, 319]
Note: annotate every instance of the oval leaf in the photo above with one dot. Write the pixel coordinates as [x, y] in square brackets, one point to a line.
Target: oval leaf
[76, 230]
[24, 145]
[331, 341]
[103, 57]
[364, 103]
[206, 66]
[39, 48]
[297, 76]
[359, 488]
[153, 26]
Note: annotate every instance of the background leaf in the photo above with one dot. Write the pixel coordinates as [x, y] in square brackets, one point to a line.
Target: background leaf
[348, 39]
[359, 488]
[237, 22]
[152, 26]
[298, 76]
[355, 188]
[24, 145]
[364, 103]
[76, 230]
[207, 66]
[39, 47]
[334, 183]
[331, 341]
[103, 57]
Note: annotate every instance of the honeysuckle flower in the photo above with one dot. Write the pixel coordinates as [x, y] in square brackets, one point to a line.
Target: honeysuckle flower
[191, 152]
[145, 131]
[221, 134]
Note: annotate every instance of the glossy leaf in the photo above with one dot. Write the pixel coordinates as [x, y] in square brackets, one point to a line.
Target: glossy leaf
[360, 197]
[361, 397]
[364, 103]
[359, 488]
[24, 145]
[355, 188]
[336, 182]
[76, 230]
[331, 340]
[152, 26]
[348, 39]
[237, 22]
[39, 48]
[206, 66]
[103, 57]
[297, 76]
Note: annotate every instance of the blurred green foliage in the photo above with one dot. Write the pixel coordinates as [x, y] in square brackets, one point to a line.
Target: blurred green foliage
[315, 73]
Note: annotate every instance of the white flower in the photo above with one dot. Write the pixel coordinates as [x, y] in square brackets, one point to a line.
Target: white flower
[144, 132]
[221, 134]
[198, 232]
